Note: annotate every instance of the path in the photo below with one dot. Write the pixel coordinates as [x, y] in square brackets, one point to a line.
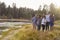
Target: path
[11, 34]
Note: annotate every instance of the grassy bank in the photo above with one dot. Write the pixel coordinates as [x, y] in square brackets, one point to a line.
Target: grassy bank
[27, 33]
[5, 33]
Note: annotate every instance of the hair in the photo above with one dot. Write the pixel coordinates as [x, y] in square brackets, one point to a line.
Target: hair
[52, 15]
[33, 15]
[39, 15]
[43, 16]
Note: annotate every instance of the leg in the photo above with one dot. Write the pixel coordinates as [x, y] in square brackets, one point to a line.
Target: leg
[39, 27]
[51, 26]
[34, 27]
[43, 27]
[47, 26]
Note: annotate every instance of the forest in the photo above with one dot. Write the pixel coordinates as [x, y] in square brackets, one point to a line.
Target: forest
[26, 13]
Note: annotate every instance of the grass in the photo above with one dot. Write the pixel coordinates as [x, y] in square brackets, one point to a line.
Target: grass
[27, 33]
[57, 22]
[5, 33]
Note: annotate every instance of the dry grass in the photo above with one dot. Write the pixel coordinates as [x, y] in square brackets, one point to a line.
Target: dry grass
[27, 33]
[5, 33]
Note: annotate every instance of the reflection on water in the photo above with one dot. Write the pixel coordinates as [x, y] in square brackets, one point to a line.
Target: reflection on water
[6, 25]
[9, 24]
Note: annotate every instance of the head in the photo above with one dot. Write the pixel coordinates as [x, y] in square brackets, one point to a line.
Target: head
[43, 16]
[36, 16]
[52, 15]
[39, 16]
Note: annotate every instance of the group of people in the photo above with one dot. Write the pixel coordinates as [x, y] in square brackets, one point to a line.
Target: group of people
[46, 21]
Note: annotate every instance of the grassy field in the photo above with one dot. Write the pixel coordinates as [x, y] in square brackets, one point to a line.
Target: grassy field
[5, 33]
[27, 33]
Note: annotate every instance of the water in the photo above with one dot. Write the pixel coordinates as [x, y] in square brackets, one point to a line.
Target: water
[4, 26]
[9, 24]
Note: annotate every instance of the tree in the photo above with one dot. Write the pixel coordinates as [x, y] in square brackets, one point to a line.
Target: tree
[14, 10]
[2, 9]
[9, 12]
[39, 10]
[52, 8]
[44, 11]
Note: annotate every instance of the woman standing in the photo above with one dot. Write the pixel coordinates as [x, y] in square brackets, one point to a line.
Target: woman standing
[39, 22]
[43, 23]
[51, 21]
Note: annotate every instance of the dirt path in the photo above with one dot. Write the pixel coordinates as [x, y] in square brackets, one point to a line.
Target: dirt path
[11, 34]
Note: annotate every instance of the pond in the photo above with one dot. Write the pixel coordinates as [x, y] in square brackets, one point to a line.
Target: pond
[4, 26]
[9, 24]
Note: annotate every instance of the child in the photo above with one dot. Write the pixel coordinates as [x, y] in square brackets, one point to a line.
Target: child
[43, 22]
[39, 22]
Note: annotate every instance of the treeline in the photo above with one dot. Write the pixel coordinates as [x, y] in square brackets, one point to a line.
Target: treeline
[26, 13]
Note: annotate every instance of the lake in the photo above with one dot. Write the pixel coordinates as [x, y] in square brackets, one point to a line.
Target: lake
[4, 26]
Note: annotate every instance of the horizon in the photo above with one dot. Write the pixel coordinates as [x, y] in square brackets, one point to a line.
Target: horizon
[33, 4]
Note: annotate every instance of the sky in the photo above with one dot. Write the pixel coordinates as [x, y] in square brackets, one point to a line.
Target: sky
[34, 4]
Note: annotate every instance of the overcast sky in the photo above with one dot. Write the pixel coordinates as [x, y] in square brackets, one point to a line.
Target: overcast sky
[34, 4]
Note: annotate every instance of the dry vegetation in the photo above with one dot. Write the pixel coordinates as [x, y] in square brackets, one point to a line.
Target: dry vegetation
[27, 33]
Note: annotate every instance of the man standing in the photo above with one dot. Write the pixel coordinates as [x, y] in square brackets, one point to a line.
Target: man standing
[48, 20]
